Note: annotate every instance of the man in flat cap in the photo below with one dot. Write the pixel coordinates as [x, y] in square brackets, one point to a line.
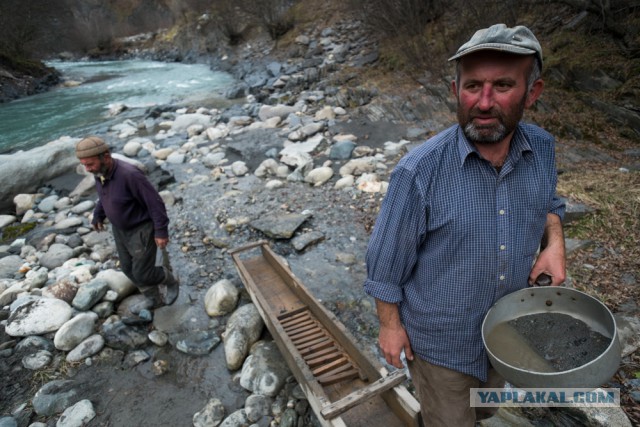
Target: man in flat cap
[138, 218]
[461, 224]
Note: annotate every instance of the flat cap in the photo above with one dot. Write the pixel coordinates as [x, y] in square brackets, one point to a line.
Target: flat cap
[91, 146]
[518, 40]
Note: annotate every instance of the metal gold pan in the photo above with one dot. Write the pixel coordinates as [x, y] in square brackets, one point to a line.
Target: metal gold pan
[548, 299]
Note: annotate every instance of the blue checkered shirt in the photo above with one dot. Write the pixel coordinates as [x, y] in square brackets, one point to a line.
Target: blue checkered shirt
[454, 235]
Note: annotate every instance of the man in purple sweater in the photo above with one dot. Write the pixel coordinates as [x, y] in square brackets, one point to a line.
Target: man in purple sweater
[138, 218]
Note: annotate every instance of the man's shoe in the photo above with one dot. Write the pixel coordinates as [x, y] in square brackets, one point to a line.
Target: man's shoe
[152, 299]
[169, 288]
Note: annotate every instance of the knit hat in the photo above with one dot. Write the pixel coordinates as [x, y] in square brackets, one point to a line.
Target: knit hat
[91, 146]
[518, 40]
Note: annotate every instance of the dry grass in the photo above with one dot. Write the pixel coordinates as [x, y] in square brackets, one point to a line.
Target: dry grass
[614, 228]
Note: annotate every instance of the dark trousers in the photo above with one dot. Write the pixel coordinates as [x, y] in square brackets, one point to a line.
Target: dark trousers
[137, 252]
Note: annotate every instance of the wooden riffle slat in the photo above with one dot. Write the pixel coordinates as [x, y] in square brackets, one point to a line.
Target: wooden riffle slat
[326, 360]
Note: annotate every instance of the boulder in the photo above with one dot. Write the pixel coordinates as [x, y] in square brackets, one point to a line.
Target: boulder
[26, 171]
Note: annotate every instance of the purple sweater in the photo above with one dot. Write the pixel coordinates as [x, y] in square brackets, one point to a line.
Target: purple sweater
[128, 199]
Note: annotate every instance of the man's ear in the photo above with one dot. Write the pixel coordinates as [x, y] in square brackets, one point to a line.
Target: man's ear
[454, 89]
[534, 93]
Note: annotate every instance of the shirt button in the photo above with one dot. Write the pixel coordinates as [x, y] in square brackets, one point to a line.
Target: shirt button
[501, 277]
[503, 247]
[501, 211]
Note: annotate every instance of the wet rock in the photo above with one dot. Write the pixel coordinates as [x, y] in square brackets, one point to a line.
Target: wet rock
[132, 148]
[69, 223]
[239, 168]
[198, 343]
[37, 360]
[95, 238]
[160, 367]
[35, 343]
[273, 184]
[267, 167]
[392, 149]
[6, 220]
[159, 338]
[87, 348]
[119, 336]
[279, 226]
[54, 397]
[24, 203]
[89, 294]
[221, 298]
[257, 406]
[237, 418]
[35, 279]
[243, 330]
[289, 418]
[265, 370]
[56, 256]
[359, 166]
[47, 204]
[77, 415]
[75, 331]
[319, 176]
[118, 282]
[628, 332]
[134, 358]
[302, 241]
[574, 211]
[64, 290]
[341, 150]
[345, 182]
[37, 317]
[9, 295]
[183, 121]
[83, 207]
[211, 415]
[9, 266]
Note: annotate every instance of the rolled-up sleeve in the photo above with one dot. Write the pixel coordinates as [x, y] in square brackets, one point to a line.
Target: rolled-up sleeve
[396, 238]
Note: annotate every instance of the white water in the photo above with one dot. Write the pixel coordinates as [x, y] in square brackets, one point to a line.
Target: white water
[75, 111]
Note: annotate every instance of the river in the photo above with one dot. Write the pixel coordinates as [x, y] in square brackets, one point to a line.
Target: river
[76, 110]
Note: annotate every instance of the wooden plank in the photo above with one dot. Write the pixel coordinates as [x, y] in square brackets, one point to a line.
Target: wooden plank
[339, 377]
[329, 367]
[304, 334]
[323, 352]
[362, 395]
[284, 318]
[314, 343]
[314, 348]
[317, 361]
[319, 333]
[293, 327]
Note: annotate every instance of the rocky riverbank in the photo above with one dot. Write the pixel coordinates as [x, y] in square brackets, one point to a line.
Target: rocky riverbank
[305, 169]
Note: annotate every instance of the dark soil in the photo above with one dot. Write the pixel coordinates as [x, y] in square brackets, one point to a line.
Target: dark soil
[564, 341]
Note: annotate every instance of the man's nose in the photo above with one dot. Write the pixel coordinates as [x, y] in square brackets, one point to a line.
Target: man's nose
[486, 98]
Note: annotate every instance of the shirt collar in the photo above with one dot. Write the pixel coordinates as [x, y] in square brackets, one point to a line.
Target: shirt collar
[519, 146]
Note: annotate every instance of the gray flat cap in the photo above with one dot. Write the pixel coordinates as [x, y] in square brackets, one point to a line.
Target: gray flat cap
[518, 40]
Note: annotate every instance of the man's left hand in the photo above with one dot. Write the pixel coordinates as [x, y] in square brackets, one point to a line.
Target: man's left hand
[551, 259]
[162, 242]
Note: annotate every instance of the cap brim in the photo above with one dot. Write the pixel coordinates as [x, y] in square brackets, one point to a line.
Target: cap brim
[496, 47]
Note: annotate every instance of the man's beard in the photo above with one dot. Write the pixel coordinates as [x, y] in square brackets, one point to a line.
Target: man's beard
[494, 133]
[102, 173]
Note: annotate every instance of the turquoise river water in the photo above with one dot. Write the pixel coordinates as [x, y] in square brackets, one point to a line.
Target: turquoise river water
[77, 110]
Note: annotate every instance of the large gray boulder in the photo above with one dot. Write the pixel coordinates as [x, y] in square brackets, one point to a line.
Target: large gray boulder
[26, 171]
